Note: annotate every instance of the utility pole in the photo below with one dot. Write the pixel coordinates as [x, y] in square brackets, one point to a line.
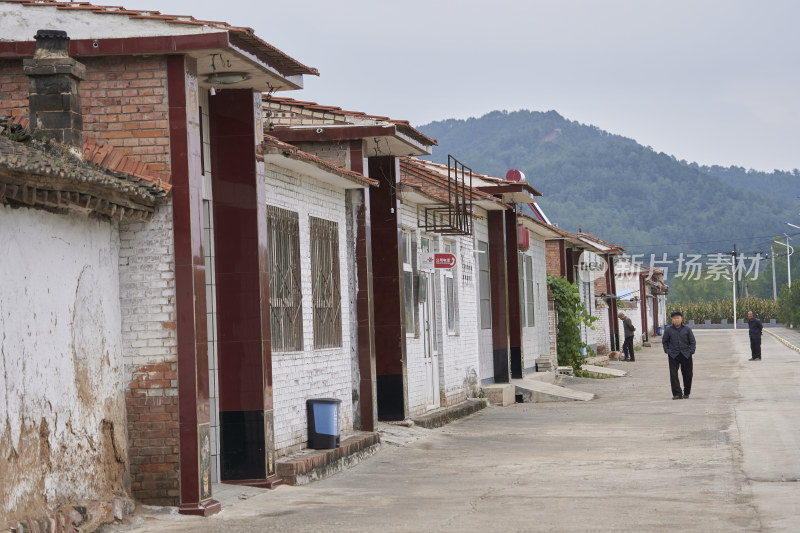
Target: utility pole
[733, 264]
[774, 287]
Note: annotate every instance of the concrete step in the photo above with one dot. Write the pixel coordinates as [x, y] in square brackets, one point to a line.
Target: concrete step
[538, 391]
[445, 415]
[311, 465]
[501, 394]
[604, 371]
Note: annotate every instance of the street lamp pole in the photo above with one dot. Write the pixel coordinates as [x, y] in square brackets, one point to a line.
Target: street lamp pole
[774, 288]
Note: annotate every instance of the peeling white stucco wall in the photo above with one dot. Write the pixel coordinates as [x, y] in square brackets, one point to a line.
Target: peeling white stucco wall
[62, 410]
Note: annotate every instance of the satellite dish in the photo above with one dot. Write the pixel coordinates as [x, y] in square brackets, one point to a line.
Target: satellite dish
[515, 175]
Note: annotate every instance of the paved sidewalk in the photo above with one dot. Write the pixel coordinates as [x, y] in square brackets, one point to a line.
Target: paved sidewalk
[785, 335]
[631, 460]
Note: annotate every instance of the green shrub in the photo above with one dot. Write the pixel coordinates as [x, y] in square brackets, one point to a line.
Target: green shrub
[571, 315]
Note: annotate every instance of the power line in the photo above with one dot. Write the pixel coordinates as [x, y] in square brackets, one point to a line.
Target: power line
[729, 239]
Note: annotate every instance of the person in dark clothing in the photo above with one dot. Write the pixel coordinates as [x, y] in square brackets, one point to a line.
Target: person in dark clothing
[627, 346]
[679, 344]
[755, 336]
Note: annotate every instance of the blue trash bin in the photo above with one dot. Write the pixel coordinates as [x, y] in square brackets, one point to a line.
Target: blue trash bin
[658, 331]
[323, 423]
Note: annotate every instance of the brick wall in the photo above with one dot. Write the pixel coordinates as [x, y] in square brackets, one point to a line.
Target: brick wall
[336, 152]
[13, 89]
[553, 258]
[124, 101]
[298, 376]
[150, 353]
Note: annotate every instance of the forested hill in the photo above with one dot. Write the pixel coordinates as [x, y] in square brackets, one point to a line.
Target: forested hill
[617, 189]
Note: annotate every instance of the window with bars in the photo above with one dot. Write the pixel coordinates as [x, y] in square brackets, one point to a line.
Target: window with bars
[285, 295]
[483, 281]
[326, 296]
[530, 308]
[450, 292]
[409, 248]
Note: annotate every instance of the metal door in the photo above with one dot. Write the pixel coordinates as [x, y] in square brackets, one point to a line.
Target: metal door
[428, 302]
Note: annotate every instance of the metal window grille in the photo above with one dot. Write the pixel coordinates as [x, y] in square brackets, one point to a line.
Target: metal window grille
[529, 302]
[454, 217]
[285, 294]
[325, 292]
[485, 287]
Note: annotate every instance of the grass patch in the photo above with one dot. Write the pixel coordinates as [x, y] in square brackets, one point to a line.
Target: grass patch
[586, 374]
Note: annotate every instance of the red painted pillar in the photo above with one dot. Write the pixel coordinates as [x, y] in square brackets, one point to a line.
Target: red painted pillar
[187, 212]
[514, 308]
[499, 285]
[247, 453]
[387, 278]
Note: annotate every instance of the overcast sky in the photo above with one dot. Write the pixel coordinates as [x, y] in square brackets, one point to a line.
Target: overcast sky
[711, 81]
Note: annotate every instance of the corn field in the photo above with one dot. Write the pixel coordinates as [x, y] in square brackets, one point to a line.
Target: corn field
[716, 311]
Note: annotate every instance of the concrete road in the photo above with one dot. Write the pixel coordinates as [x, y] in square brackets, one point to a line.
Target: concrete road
[728, 459]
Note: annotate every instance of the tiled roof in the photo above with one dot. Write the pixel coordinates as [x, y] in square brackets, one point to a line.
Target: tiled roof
[538, 222]
[439, 167]
[415, 174]
[50, 175]
[601, 241]
[109, 158]
[239, 36]
[273, 145]
[402, 125]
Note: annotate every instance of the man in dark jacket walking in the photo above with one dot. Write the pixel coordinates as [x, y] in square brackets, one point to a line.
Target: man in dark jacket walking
[627, 346]
[679, 344]
[755, 336]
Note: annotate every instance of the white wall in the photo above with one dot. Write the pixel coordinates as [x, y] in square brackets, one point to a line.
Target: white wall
[62, 413]
[486, 359]
[458, 353]
[536, 339]
[624, 284]
[324, 373]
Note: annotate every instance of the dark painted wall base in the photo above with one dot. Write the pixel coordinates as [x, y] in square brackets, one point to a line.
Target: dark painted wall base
[516, 362]
[500, 358]
[391, 403]
[243, 454]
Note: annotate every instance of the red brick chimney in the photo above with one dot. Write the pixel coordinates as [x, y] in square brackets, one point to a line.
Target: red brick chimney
[54, 93]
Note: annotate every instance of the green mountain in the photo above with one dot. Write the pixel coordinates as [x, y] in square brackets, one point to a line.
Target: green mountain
[621, 191]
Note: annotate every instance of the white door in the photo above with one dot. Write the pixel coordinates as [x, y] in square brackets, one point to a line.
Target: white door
[428, 301]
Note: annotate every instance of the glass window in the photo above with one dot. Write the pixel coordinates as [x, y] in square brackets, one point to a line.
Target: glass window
[450, 292]
[408, 243]
[285, 297]
[325, 292]
[530, 309]
[485, 288]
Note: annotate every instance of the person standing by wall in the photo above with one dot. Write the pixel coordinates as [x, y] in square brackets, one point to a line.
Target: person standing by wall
[679, 344]
[627, 346]
[756, 330]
